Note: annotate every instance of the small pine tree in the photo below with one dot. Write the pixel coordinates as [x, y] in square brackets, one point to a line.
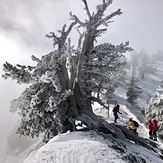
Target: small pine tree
[144, 66]
[154, 109]
[133, 89]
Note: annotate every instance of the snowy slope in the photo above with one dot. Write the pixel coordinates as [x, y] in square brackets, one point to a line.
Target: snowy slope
[88, 147]
[74, 147]
[149, 85]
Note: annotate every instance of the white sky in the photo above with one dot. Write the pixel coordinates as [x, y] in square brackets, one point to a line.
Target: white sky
[23, 25]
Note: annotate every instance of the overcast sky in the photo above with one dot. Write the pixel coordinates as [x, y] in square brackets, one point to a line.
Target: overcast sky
[23, 25]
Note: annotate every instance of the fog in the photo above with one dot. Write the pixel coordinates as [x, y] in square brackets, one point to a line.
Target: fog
[23, 25]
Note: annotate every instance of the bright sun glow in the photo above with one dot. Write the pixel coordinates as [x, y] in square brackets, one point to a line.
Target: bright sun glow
[9, 50]
[14, 52]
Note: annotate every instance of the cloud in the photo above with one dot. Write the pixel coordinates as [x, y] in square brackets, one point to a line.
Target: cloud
[28, 21]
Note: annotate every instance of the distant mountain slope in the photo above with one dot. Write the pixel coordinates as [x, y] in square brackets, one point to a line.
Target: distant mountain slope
[149, 85]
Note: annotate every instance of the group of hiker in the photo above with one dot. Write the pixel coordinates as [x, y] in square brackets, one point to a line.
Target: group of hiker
[133, 125]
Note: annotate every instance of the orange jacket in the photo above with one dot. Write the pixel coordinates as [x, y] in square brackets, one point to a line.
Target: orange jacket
[132, 125]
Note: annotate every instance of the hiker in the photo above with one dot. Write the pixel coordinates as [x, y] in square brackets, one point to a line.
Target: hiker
[115, 112]
[133, 125]
[150, 127]
[154, 127]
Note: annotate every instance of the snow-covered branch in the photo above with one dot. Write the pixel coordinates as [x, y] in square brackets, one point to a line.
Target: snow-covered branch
[64, 80]
[20, 73]
[76, 19]
[118, 12]
[60, 41]
[87, 9]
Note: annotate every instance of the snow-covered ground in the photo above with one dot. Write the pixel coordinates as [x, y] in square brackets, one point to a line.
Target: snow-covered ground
[76, 147]
[88, 147]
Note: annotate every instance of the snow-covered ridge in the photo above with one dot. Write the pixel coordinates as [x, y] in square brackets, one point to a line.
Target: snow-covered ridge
[74, 147]
[87, 140]
[88, 147]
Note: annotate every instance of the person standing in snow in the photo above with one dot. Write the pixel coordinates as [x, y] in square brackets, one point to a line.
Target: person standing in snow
[154, 127]
[132, 125]
[115, 112]
[150, 127]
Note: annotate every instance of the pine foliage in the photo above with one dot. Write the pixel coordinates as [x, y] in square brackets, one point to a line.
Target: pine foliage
[63, 83]
[154, 109]
[142, 63]
[133, 89]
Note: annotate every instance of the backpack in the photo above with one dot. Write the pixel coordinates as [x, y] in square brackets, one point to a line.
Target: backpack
[115, 109]
[136, 124]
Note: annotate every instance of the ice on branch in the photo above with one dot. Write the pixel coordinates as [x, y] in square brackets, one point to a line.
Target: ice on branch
[54, 101]
[65, 82]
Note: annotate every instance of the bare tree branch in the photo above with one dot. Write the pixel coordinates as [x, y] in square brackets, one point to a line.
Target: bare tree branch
[118, 12]
[74, 17]
[87, 9]
[60, 41]
[80, 39]
[101, 8]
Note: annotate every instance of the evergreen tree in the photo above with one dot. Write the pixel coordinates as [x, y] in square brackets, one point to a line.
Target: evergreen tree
[65, 82]
[154, 109]
[133, 88]
[141, 63]
[145, 64]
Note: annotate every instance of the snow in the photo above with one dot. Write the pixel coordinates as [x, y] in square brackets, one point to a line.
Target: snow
[74, 147]
[85, 147]
[88, 147]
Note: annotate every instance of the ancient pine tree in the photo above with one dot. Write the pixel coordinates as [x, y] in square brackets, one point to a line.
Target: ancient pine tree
[65, 82]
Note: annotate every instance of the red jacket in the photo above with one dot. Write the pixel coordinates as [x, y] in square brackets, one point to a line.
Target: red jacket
[150, 125]
[154, 126]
